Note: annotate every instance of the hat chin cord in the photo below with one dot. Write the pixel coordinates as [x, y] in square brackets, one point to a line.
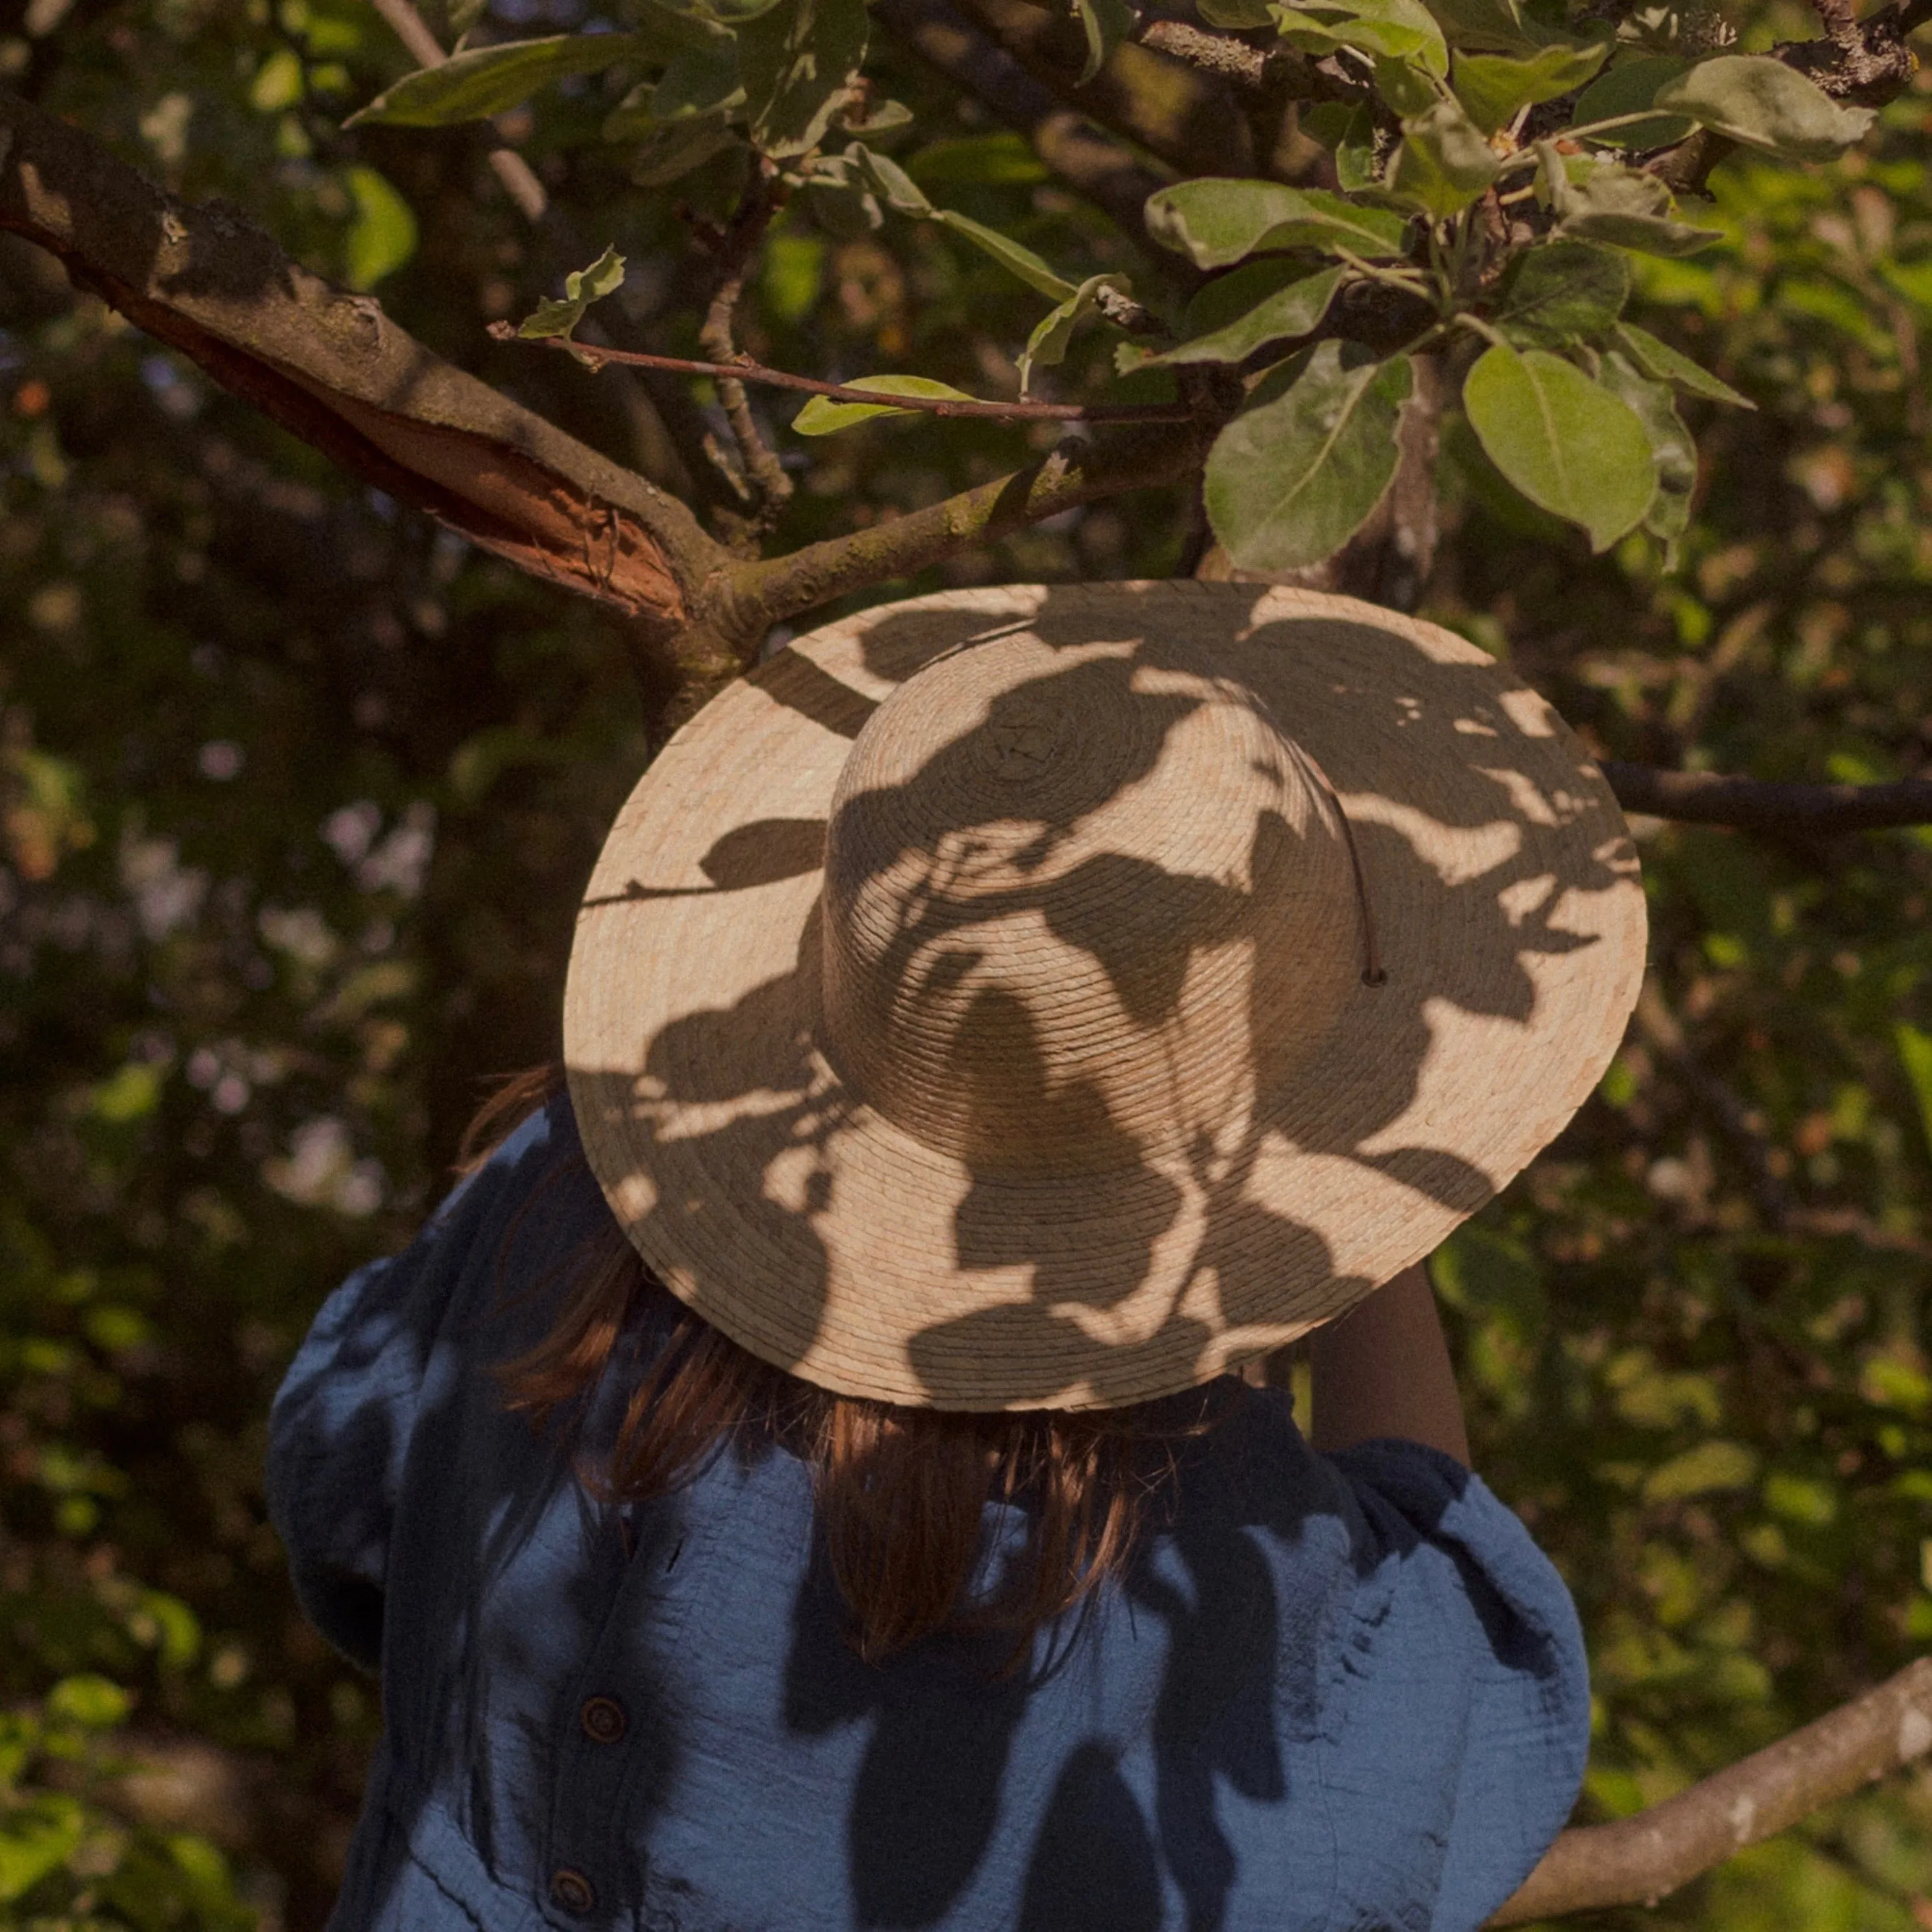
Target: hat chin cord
[1373, 972]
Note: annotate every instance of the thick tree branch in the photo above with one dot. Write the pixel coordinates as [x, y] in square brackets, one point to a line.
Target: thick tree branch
[1637, 1860]
[1189, 120]
[1763, 805]
[1088, 161]
[1075, 473]
[330, 366]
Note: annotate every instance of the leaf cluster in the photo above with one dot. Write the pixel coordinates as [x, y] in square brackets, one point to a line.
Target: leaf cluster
[1496, 163]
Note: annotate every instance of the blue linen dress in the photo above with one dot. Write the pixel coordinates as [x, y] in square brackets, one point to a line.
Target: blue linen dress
[1334, 1692]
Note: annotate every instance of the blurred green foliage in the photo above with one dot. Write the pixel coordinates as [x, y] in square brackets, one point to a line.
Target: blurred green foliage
[296, 797]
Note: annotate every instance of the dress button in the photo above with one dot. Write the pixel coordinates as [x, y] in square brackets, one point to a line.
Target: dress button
[603, 1720]
[572, 1891]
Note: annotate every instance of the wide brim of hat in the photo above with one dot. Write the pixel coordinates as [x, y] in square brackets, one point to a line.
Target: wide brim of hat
[788, 1214]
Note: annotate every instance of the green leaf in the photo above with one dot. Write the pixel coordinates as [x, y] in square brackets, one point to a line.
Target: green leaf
[1106, 23]
[800, 63]
[1915, 1052]
[1398, 30]
[1444, 162]
[581, 287]
[671, 153]
[889, 182]
[1631, 89]
[1235, 14]
[1602, 201]
[1242, 310]
[904, 196]
[1407, 90]
[993, 159]
[483, 81]
[1569, 447]
[1561, 292]
[632, 118]
[663, 30]
[1666, 364]
[1758, 102]
[881, 116]
[701, 83]
[1486, 23]
[1048, 344]
[1807, 1500]
[1349, 134]
[93, 1702]
[1710, 1466]
[1215, 223]
[36, 1835]
[842, 200]
[1294, 476]
[824, 416]
[1495, 87]
[1010, 254]
[1672, 450]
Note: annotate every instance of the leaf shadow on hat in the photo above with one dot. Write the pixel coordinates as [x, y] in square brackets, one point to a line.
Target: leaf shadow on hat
[747, 1079]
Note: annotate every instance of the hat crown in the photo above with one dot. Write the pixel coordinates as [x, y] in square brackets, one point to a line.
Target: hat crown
[1081, 905]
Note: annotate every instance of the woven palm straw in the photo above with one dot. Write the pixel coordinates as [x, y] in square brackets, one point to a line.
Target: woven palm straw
[1057, 996]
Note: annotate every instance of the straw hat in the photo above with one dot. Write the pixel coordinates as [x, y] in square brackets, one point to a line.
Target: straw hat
[1056, 997]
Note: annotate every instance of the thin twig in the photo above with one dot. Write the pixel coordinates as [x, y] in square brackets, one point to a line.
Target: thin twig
[520, 182]
[743, 370]
[764, 195]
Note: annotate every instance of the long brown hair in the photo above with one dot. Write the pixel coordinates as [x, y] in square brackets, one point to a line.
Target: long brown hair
[900, 1492]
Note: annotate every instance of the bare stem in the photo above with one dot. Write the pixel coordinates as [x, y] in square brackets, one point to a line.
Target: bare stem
[743, 370]
[737, 249]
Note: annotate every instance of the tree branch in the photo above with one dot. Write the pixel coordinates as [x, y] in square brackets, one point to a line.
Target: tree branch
[1094, 166]
[1762, 804]
[1637, 1860]
[1865, 61]
[764, 195]
[1075, 473]
[331, 367]
[1189, 120]
[1279, 72]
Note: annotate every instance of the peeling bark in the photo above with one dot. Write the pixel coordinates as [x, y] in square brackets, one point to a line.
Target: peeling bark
[332, 368]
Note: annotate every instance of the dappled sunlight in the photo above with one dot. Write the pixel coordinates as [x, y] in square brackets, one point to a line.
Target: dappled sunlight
[1186, 960]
